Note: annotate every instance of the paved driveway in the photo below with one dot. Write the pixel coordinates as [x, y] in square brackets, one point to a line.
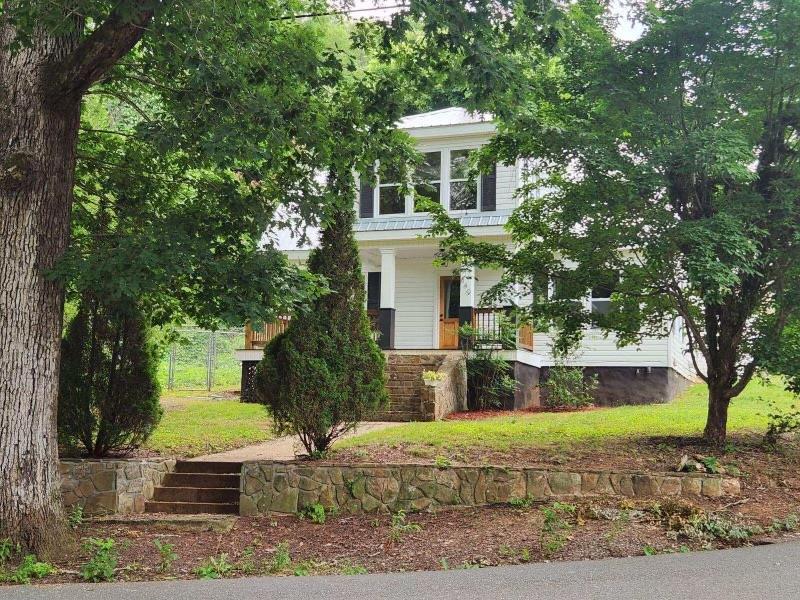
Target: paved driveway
[761, 573]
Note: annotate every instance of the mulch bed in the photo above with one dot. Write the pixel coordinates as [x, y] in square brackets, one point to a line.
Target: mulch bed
[448, 539]
[469, 537]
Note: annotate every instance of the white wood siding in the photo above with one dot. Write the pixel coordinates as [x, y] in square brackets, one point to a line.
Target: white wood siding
[506, 187]
[597, 350]
[416, 297]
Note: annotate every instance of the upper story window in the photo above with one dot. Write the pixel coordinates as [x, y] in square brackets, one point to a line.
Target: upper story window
[428, 179]
[463, 192]
[442, 176]
[390, 200]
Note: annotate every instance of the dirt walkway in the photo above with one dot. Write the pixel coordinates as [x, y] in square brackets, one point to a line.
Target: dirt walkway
[283, 448]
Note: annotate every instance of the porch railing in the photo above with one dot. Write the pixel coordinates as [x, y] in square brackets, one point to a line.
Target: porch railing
[257, 339]
[491, 328]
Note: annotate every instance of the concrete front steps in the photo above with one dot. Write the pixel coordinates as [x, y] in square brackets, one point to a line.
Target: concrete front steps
[198, 487]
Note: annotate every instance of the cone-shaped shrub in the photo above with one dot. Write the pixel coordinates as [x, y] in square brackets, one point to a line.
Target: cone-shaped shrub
[326, 373]
[108, 395]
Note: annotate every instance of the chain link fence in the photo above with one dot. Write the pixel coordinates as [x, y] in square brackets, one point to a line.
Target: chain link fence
[203, 360]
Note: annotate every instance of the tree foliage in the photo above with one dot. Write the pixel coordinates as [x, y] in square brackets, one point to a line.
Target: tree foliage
[667, 168]
[109, 398]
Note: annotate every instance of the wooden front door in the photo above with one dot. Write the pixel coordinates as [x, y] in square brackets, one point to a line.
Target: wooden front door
[449, 303]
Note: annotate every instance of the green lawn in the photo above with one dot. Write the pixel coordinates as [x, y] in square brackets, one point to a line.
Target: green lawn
[195, 425]
[683, 417]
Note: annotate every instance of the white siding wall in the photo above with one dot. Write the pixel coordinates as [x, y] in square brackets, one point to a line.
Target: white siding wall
[506, 186]
[416, 297]
[597, 350]
[484, 280]
[417, 301]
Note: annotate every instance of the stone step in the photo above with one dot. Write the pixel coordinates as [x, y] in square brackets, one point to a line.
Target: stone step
[201, 480]
[196, 495]
[191, 508]
[208, 467]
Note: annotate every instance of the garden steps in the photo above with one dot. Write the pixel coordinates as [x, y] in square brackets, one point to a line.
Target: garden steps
[198, 487]
[404, 385]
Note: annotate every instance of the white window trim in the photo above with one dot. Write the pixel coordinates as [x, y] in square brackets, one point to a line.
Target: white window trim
[444, 183]
[478, 190]
[410, 198]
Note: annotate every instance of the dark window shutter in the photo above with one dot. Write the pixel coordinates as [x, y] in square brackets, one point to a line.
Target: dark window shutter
[365, 201]
[373, 290]
[489, 190]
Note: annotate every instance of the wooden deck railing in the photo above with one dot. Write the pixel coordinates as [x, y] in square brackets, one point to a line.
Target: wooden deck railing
[254, 340]
[525, 337]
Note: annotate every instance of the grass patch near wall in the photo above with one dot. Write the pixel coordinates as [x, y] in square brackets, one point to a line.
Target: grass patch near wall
[194, 424]
[683, 417]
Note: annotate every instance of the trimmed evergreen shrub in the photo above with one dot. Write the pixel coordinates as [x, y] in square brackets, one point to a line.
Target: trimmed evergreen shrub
[325, 373]
[108, 394]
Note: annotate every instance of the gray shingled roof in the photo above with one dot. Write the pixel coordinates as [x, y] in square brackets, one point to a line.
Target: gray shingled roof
[424, 222]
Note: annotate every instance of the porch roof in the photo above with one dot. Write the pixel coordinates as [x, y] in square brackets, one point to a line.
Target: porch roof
[425, 221]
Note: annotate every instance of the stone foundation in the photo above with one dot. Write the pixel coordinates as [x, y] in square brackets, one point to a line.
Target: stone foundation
[527, 393]
[286, 487]
[111, 486]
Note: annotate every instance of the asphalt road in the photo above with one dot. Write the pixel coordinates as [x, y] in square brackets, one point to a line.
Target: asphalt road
[760, 573]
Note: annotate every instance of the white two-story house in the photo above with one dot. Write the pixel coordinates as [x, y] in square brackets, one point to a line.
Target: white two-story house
[417, 307]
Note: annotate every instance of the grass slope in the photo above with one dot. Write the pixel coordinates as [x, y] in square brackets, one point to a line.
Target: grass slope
[193, 426]
[683, 417]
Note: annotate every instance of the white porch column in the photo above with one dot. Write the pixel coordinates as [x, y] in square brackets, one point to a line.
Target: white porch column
[467, 287]
[386, 317]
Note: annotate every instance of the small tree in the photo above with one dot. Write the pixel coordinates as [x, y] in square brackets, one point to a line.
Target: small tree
[108, 394]
[326, 373]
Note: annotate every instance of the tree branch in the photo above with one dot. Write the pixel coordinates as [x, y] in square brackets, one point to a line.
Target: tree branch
[744, 379]
[103, 48]
[700, 374]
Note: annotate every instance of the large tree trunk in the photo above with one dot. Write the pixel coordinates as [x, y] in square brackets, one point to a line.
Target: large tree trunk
[716, 430]
[38, 137]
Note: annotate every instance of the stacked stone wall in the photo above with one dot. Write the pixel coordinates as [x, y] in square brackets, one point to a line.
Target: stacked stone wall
[111, 486]
[287, 487]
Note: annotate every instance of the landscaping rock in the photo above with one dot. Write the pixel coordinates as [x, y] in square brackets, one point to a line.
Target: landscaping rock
[382, 488]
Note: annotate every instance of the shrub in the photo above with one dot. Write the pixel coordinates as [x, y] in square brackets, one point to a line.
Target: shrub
[75, 517]
[108, 394]
[326, 373]
[780, 422]
[103, 562]
[30, 568]
[568, 387]
[314, 512]
[490, 377]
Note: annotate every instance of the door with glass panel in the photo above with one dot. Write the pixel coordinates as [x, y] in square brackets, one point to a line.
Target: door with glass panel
[449, 303]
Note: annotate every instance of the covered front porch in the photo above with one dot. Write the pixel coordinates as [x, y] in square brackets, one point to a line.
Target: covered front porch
[415, 304]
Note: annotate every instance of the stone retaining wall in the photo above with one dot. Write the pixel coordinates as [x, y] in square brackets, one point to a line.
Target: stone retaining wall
[111, 486]
[286, 487]
[441, 397]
